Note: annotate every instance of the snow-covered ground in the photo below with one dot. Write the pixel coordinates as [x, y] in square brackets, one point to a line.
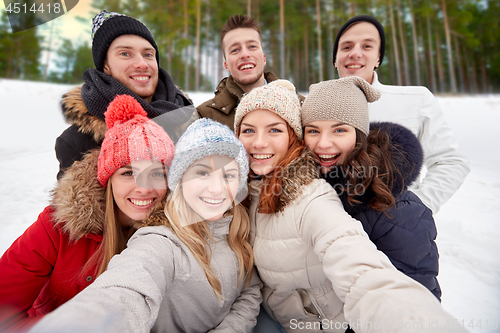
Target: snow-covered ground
[468, 225]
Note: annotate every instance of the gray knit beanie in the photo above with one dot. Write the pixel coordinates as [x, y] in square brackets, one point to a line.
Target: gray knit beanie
[206, 137]
[344, 100]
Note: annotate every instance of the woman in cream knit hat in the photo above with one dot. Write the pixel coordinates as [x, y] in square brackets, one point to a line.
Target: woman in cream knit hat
[371, 171]
[320, 270]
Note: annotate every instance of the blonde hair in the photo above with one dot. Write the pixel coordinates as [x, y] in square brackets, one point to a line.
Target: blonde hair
[194, 234]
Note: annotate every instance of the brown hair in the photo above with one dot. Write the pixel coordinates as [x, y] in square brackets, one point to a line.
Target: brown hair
[114, 238]
[236, 22]
[371, 158]
[272, 187]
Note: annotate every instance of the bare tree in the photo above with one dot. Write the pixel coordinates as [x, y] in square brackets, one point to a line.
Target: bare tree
[439, 61]
[198, 51]
[431, 56]
[395, 43]
[320, 50]
[453, 82]
[282, 40]
[415, 43]
[406, 64]
[186, 47]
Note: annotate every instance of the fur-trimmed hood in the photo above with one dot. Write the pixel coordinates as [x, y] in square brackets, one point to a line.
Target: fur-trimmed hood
[407, 157]
[79, 200]
[75, 112]
[296, 176]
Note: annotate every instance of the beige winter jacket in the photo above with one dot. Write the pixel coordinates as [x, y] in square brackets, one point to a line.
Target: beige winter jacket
[321, 271]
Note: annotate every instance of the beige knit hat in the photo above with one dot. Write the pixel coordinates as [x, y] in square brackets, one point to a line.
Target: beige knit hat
[344, 100]
[279, 97]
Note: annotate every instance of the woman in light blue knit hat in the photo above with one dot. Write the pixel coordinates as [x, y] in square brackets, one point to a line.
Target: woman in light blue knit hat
[189, 268]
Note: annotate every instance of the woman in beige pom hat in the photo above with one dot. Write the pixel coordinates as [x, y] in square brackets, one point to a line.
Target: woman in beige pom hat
[371, 171]
[320, 270]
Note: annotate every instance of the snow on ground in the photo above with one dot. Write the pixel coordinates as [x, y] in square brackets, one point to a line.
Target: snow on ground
[468, 225]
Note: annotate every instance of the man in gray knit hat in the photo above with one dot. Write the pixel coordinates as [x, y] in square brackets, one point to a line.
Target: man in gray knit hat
[358, 51]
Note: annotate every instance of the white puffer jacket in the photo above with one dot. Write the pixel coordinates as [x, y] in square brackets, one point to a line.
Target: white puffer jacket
[416, 108]
[321, 271]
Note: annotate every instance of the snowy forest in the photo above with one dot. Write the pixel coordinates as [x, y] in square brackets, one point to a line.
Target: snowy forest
[450, 46]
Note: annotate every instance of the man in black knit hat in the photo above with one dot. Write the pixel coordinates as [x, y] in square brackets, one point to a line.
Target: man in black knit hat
[126, 61]
[358, 51]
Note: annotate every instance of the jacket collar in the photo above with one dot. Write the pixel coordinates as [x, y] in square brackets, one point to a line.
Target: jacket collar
[78, 199]
[297, 175]
[229, 93]
[75, 113]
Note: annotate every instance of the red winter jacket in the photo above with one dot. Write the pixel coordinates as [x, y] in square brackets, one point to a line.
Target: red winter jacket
[42, 269]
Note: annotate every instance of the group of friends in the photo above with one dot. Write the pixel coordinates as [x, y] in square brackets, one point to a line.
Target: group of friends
[258, 211]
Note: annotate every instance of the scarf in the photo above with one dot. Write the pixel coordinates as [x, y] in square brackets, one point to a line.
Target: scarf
[99, 89]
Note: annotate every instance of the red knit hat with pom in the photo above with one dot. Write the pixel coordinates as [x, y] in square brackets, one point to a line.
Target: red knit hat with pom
[131, 137]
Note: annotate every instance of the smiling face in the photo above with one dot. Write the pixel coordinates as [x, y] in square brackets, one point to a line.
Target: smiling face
[132, 61]
[359, 51]
[331, 141]
[244, 57]
[209, 186]
[264, 135]
[136, 188]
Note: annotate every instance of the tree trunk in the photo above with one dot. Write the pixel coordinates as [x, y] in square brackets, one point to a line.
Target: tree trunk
[282, 40]
[306, 55]
[320, 50]
[49, 50]
[170, 42]
[394, 42]
[439, 62]
[206, 54]
[459, 66]
[415, 43]
[468, 81]
[198, 51]
[329, 35]
[431, 56]
[249, 7]
[453, 83]
[475, 84]
[186, 48]
[402, 33]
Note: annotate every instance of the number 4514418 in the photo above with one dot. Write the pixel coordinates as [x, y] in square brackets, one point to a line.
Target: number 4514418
[22, 8]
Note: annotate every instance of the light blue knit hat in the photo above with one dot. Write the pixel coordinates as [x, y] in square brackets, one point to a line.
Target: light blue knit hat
[206, 137]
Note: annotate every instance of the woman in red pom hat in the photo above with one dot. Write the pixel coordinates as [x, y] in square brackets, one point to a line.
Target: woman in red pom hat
[94, 209]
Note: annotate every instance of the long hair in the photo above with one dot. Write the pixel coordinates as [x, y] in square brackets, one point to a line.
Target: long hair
[114, 237]
[272, 187]
[369, 166]
[193, 231]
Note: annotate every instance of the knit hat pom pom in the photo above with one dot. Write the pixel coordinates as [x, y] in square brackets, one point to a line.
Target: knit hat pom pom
[122, 109]
[284, 83]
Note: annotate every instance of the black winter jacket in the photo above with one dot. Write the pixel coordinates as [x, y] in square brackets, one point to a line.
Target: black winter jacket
[406, 233]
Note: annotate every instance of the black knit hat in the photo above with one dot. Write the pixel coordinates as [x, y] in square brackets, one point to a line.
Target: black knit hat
[107, 26]
[357, 19]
